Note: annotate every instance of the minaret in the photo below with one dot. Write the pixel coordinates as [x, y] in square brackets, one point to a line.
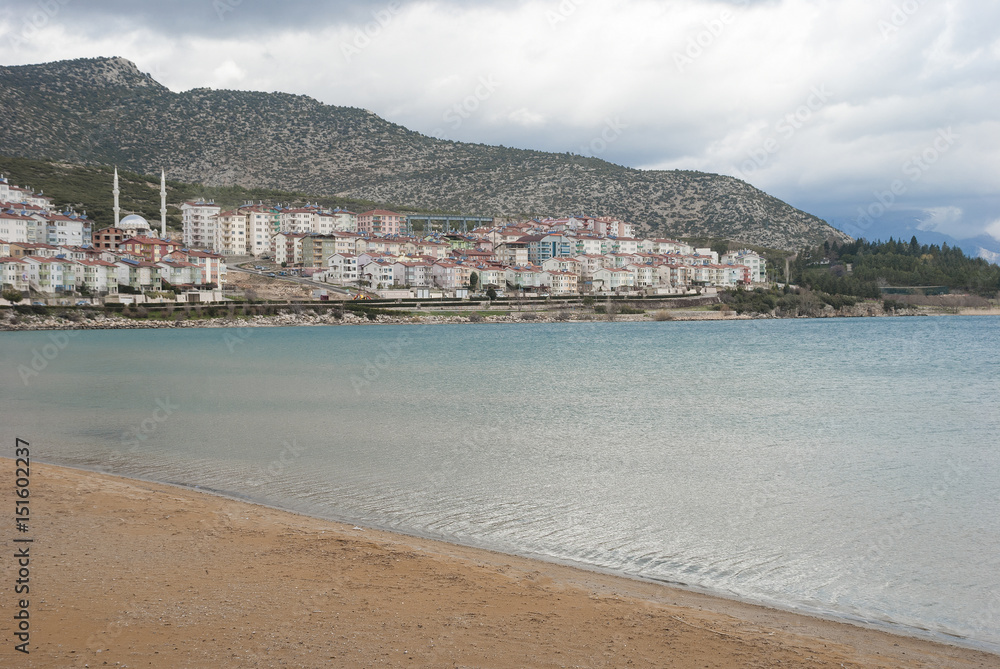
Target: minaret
[163, 204]
[118, 210]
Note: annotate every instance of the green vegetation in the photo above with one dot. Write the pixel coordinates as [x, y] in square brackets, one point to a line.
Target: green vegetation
[88, 189]
[864, 268]
[782, 302]
[11, 295]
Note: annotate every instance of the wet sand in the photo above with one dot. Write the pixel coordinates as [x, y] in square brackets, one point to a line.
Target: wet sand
[129, 573]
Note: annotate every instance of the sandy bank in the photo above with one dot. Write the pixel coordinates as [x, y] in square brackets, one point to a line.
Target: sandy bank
[127, 573]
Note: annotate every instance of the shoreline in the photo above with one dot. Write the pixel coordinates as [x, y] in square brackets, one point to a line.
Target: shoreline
[29, 323]
[131, 559]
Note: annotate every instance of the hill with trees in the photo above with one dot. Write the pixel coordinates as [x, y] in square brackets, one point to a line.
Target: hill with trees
[104, 112]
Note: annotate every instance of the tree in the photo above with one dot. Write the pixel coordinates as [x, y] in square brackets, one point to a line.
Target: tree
[11, 295]
[473, 281]
[491, 293]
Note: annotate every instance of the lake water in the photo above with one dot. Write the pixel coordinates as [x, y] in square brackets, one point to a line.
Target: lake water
[848, 467]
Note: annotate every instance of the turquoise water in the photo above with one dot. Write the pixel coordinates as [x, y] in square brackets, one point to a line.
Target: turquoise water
[848, 467]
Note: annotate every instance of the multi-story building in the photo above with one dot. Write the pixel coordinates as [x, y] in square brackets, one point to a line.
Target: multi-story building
[262, 224]
[613, 279]
[139, 275]
[523, 277]
[376, 273]
[543, 247]
[411, 273]
[99, 276]
[446, 274]
[381, 222]
[108, 238]
[343, 268]
[147, 248]
[213, 265]
[14, 273]
[179, 272]
[51, 275]
[20, 250]
[301, 220]
[286, 247]
[231, 233]
[200, 220]
[643, 276]
[17, 227]
[63, 229]
[559, 282]
[757, 265]
[343, 220]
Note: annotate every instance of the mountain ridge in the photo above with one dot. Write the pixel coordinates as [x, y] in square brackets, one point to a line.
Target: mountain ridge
[104, 111]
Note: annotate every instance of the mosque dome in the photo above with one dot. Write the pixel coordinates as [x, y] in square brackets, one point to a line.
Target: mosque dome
[134, 222]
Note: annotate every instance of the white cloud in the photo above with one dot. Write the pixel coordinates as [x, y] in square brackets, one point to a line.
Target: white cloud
[993, 229]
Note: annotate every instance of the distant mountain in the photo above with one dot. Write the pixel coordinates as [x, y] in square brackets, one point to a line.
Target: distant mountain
[105, 111]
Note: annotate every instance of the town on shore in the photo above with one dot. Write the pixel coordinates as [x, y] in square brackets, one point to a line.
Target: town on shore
[63, 257]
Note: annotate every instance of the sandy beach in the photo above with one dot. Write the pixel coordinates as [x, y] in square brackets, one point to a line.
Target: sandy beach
[129, 573]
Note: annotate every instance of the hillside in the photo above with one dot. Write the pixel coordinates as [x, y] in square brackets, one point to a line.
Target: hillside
[105, 111]
[88, 188]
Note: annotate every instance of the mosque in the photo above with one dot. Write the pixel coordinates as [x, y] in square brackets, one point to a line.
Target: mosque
[132, 225]
[135, 225]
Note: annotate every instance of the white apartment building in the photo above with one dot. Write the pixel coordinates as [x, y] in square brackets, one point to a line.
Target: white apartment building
[262, 224]
[231, 233]
[63, 230]
[200, 220]
[757, 265]
[343, 268]
[17, 228]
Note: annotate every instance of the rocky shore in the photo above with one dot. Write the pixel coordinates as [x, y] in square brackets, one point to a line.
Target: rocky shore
[305, 317]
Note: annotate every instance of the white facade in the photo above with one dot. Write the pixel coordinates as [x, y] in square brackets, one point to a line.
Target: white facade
[613, 279]
[17, 228]
[200, 220]
[343, 268]
[14, 273]
[231, 234]
[61, 230]
[757, 265]
[376, 272]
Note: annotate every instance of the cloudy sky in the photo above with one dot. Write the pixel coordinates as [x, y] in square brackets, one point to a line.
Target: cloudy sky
[880, 116]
